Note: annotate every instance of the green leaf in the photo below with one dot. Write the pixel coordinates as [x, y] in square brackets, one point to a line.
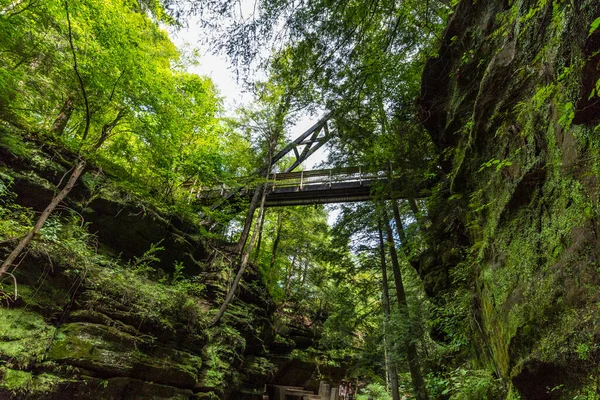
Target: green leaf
[594, 26]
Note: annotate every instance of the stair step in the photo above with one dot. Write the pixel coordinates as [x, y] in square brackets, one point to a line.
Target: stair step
[295, 394]
[280, 392]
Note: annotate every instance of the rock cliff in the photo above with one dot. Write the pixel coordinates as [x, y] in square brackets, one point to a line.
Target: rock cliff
[510, 103]
[113, 297]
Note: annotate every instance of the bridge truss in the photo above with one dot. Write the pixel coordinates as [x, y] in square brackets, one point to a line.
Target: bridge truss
[289, 188]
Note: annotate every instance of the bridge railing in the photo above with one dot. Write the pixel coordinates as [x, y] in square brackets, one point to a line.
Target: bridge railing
[325, 178]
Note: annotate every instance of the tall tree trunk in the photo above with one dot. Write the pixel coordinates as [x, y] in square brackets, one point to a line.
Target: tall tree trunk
[274, 133]
[260, 234]
[417, 213]
[77, 171]
[304, 273]
[400, 227]
[241, 243]
[405, 247]
[391, 366]
[260, 193]
[411, 349]
[274, 250]
[288, 280]
[60, 123]
[388, 365]
[244, 261]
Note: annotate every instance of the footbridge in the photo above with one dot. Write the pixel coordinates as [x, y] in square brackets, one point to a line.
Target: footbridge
[335, 185]
[307, 187]
[324, 186]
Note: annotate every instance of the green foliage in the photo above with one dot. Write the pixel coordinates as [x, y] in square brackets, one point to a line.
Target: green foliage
[143, 265]
[25, 337]
[41, 383]
[225, 349]
[14, 380]
[14, 220]
[594, 26]
[14, 143]
[156, 129]
[373, 391]
[163, 304]
[466, 384]
[260, 366]
[150, 122]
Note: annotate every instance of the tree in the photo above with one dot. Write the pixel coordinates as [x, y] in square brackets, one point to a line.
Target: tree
[109, 79]
[412, 357]
[272, 125]
[391, 365]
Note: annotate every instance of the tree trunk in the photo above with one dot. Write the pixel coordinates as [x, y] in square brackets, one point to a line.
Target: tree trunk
[260, 233]
[259, 193]
[288, 280]
[248, 222]
[304, 273]
[77, 171]
[274, 250]
[400, 227]
[411, 349]
[10, 7]
[388, 365]
[244, 261]
[78, 168]
[392, 369]
[60, 123]
[415, 209]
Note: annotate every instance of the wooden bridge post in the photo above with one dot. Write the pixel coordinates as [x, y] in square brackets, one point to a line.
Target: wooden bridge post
[334, 395]
[324, 390]
[301, 180]
[360, 176]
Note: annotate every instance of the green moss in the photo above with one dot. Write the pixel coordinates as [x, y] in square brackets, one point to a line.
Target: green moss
[218, 364]
[24, 336]
[15, 380]
[114, 353]
[14, 143]
[18, 381]
[159, 303]
[528, 181]
[259, 366]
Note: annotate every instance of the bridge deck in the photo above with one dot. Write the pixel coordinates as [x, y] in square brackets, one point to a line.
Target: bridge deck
[318, 194]
[309, 187]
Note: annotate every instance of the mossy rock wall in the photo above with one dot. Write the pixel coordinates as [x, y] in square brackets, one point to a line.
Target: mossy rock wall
[97, 318]
[105, 332]
[509, 103]
[124, 223]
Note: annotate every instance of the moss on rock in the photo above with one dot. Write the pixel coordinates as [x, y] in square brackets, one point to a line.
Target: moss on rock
[106, 351]
[24, 337]
[521, 190]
